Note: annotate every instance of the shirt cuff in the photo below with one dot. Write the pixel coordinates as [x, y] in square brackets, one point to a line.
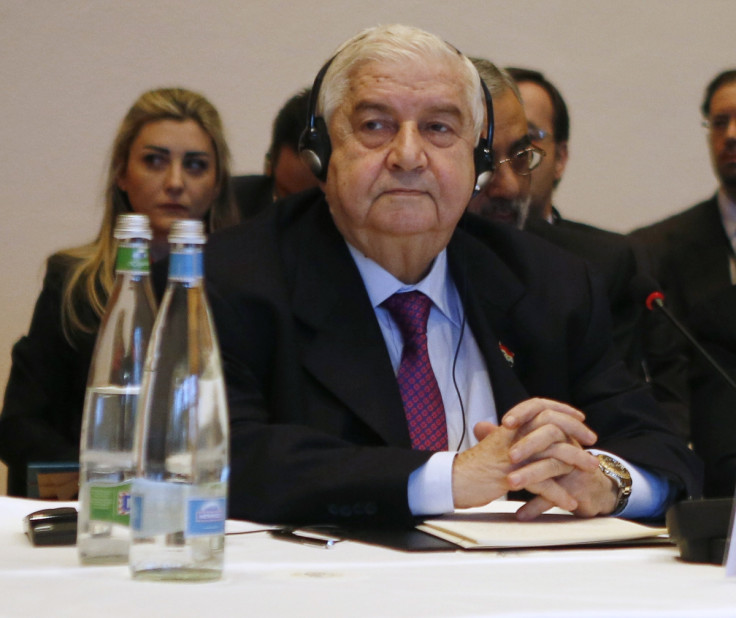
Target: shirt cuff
[430, 486]
[650, 492]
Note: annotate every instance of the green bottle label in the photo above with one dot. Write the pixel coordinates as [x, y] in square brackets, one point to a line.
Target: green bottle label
[110, 503]
[133, 260]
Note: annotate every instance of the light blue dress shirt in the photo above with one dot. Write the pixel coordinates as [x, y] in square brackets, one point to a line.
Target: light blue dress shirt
[460, 369]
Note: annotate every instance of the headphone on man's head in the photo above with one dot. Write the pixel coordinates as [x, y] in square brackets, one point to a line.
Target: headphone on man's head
[315, 147]
[314, 143]
[483, 153]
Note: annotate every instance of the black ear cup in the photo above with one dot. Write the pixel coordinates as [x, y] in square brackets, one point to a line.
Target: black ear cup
[314, 142]
[315, 147]
[483, 153]
[483, 158]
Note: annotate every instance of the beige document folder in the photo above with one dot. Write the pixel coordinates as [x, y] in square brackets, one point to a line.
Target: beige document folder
[496, 527]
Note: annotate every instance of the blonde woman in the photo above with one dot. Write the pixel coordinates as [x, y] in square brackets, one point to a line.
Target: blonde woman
[169, 161]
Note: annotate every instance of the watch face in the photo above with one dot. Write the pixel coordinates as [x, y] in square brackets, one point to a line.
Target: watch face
[618, 468]
[620, 476]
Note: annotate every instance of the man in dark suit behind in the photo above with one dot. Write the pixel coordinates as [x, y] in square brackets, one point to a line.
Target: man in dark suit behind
[284, 172]
[319, 364]
[617, 258]
[693, 251]
[713, 399]
[694, 248]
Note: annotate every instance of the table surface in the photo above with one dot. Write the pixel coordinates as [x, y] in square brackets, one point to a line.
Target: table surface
[268, 577]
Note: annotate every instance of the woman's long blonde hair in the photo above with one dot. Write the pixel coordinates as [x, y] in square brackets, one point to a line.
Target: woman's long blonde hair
[91, 277]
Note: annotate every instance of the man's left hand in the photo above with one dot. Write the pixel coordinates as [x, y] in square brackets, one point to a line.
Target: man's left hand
[593, 490]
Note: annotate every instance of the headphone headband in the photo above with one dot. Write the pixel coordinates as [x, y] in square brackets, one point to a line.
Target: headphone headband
[315, 147]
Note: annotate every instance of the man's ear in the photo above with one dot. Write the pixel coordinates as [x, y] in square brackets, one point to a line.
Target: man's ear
[560, 160]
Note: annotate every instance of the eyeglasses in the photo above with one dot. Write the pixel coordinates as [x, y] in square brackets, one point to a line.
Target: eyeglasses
[525, 161]
[536, 134]
[719, 124]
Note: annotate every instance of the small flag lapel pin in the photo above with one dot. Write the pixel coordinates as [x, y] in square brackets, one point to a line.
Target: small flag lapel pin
[507, 354]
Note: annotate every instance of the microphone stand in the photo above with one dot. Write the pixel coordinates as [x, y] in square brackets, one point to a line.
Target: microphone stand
[656, 299]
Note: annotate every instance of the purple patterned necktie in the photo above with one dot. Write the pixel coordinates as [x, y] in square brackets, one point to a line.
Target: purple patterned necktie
[425, 412]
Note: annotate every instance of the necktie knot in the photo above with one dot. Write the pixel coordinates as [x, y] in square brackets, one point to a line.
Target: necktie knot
[410, 311]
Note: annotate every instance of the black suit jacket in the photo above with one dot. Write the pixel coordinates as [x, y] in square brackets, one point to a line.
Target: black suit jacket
[714, 401]
[691, 255]
[618, 259]
[318, 431]
[41, 418]
[252, 193]
[42, 412]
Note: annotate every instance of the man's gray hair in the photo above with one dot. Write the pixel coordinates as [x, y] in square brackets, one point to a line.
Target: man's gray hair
[496, 79]
[396, 43]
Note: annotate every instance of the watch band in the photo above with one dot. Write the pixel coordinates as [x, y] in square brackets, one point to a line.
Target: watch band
[620, 476]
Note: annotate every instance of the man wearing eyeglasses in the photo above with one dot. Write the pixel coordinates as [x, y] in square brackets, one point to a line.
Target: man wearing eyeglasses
[695, 248]
[694, 256]
[549, 129]
[530, 147]
[707, 287]
[505, 198]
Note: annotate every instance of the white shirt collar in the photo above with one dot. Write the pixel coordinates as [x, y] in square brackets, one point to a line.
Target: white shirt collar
[437, 285]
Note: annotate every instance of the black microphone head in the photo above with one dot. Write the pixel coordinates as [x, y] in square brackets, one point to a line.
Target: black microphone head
[645, 290]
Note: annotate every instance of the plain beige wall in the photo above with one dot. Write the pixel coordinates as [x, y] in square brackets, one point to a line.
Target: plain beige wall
[632, 72]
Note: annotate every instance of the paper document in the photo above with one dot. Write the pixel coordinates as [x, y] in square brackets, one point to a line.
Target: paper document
[495, 527]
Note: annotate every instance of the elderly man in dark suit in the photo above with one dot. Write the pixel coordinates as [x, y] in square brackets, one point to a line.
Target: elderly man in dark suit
[388, 356]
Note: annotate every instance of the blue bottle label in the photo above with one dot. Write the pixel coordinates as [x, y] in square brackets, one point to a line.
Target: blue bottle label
[206, 516]
[186, 265]
[160, 507]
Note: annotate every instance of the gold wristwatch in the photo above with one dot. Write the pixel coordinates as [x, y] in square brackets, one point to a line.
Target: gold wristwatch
[620, 477]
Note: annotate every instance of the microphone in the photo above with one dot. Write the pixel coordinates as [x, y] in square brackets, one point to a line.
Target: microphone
[645, 290]
[699, 528]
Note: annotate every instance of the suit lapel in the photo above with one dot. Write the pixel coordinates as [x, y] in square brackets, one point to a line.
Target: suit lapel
[351, 362]
[343, 347]
[490, 291]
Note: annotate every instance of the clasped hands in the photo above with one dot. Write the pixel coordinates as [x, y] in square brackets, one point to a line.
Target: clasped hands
[538, 447]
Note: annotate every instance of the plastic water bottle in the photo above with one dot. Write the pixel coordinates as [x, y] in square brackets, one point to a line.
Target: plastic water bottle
[179, 498]
[108, 424]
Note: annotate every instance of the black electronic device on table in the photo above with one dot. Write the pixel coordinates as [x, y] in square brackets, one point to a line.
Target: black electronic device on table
[701, 528]
[56, 526]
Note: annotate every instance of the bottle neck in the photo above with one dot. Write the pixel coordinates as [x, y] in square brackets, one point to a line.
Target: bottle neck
[133, 257]
[186, 264]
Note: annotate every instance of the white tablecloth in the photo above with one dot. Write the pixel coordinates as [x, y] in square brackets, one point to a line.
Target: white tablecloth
[266, 577]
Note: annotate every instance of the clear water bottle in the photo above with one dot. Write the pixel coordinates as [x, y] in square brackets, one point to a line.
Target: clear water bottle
[106, 461]
[179, 498]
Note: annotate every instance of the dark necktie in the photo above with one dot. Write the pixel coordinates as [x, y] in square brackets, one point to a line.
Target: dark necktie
[425, 412]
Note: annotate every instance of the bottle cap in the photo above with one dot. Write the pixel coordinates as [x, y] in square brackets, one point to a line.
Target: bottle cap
[132, 226]
[187, 231]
